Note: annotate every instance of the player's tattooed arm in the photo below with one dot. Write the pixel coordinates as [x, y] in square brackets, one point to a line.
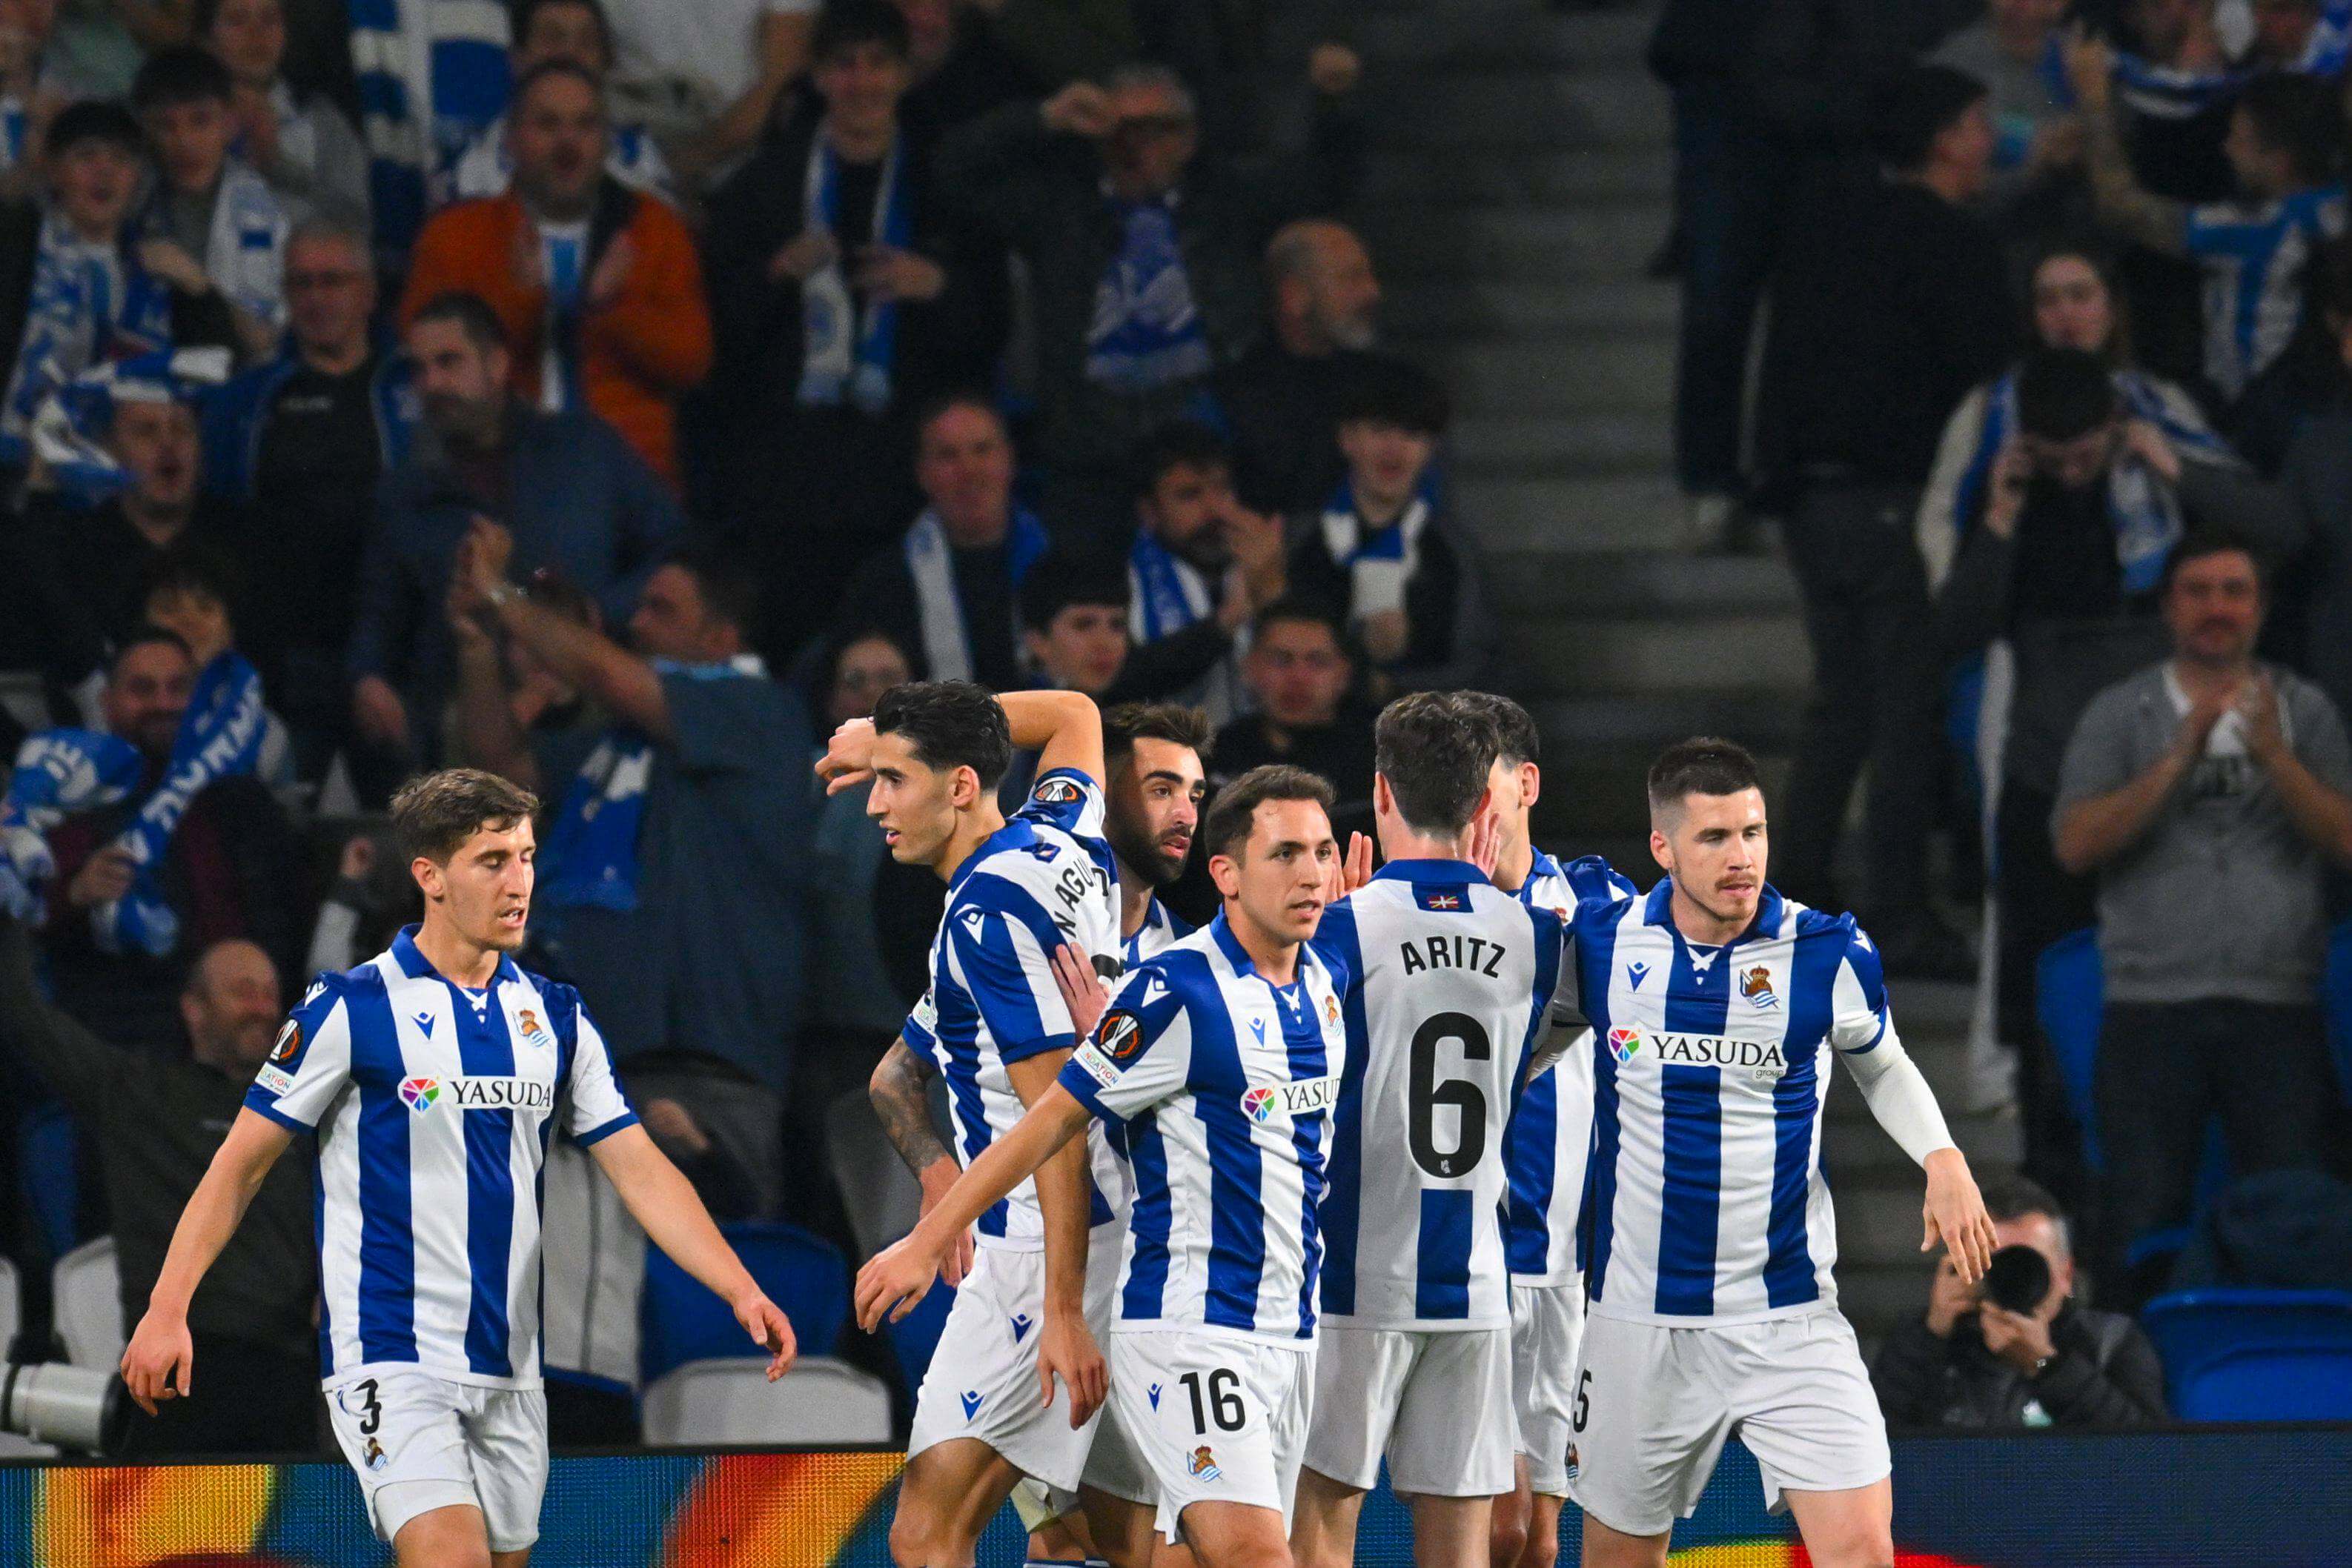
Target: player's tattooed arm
[901, 1092]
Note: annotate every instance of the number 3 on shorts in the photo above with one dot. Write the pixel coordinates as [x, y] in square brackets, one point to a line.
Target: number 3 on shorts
[1583, 1400]
[371, 1411]
[1223, 1403]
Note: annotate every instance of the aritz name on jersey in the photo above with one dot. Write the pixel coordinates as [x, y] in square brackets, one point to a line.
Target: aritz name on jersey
[421, 1095]
[1714, 1050]
[1299, 1097]
[1475, 952]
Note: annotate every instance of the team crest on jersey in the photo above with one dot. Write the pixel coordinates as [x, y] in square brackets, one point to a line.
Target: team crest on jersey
[418, 1093]
[1331, 1010]
[1119, 1036]
[1054, 792]
[374, 1455]
[1204, 1464]
[289, 1044]
[533, 1032]
[1624, 1042]
[1756, 984]
[1572, 1465]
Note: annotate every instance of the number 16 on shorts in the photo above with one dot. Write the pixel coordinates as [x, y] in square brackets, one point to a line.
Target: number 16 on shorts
[1216, 1418]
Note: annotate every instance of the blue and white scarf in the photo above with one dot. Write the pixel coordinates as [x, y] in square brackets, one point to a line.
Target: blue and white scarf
[68, 430]
[89, 305]
[1379, 561]
[1169, 592]
[1147, 331]
[591, 857]
[2160, 92]
[842, 355]
[432, 74]
[930, 561]
[61, 771]
[2143, 508]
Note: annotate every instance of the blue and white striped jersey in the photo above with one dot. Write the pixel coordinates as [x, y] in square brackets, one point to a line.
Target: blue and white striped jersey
[2255, 257]
[1161, 929]
[433, 1106]
[1451, 984]
[1045, 878]
[1224, 1083]
[1551, 1134]
[1711, 1065]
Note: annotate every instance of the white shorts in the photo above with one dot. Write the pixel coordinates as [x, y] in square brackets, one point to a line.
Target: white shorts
[1653, 1406]
[1215, 1419]
[1431, 1402]
[1547, 1326]
[418, 1442]
[982, 1380]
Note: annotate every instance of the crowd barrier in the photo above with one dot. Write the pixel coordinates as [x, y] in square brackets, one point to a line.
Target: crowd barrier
[2280, 1497]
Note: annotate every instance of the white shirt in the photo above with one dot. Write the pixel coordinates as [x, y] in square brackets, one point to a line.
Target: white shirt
[712, 43]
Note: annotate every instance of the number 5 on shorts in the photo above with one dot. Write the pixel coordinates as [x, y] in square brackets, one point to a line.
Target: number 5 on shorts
[1224, 1401]
[1583, 1400]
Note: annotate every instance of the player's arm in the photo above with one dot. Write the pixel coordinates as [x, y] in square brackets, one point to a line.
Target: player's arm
[1063, 727]
[159, 1364]
[659, 1197]
[1065, 1198]
[899, 1092]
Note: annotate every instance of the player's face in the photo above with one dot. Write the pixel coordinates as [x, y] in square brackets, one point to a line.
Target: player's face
[914, 803]
[2071, 308]
[1276, 883]
[1713, 847]
[483, 893]
[1155, 810]
[2214, 608]
[557, 139]
[1186, 510]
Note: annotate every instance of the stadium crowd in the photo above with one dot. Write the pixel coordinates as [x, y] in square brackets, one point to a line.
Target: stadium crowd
[618, 405]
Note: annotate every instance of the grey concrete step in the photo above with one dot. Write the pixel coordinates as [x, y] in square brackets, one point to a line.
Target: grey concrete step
[1876, 1298]
[1516, 106]
[1637, 726]
[1617, 512]
[1451, 310]
[1855, 1146]
[1642, 584]
[1558, 446]
[1546, 245]
[1557, 374]
[1650, 657]
[1466, 32]
[1512, 177]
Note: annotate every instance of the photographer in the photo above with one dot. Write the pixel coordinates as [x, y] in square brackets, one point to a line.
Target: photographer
[2015, 1350]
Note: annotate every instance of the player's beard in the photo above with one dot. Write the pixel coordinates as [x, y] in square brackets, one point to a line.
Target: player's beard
[1141, 853]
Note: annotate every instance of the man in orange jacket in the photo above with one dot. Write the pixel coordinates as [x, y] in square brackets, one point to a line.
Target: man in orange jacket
[598, 286]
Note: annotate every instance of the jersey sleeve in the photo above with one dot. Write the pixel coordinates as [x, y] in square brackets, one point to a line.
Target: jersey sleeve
[1860, 1021]
[1066, 798]
[1552, 1030]
[599, 1106]
[920, 1031]
[310, 1062]
[1141, 1052]
[1594, 881]
[1004, 942]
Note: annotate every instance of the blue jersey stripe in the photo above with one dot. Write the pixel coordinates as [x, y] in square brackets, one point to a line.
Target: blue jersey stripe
[387, 1307]
[957, 1041]
[1697, 1001]
[1596, 952]
[1236, 1209]
[1304, 1042]
[485, 1050]
[1342, 1210]
[1443, 1289]
[1147, 1270]
[319, 1240]
[1789, 1278]
[1531, 1141]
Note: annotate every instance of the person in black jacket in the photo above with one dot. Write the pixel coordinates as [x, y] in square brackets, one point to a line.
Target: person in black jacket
[1966, 1362]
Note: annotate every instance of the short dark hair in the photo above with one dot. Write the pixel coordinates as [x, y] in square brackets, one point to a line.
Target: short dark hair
[1703, 765]
[928, 412]
[2300, 115]
[1436, 753]
[1396, 393]
[842, 24]
[190, 572]
[524, 12]
[181, 74]
[546, 71]
[2063, 394]
[467, 311]
[1063, 577]
[2203, 544]
[1173, 722]
[730, 589]
[147, 635]
[950, 724]
[1231, 813]
[1178, 443]
[1516, 739]
[435, 814]
[2013, 1197]
[1301, 610]
[1910, 109]
[94, 119]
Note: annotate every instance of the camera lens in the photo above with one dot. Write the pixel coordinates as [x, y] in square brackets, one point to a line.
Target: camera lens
[2017, 1279]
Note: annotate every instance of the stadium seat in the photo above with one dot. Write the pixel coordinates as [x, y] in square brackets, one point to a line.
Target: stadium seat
[2254, 1355]
[2335, 999]
[820, 1400]
[801, 1273]
[88, 1292]
[915, 1338]
[882, 1197]
[2069, 993]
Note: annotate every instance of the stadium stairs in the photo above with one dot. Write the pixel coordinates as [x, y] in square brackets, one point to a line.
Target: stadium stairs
[1519, 183]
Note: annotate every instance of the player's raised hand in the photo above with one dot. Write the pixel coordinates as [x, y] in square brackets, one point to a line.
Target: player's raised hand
[1954, 1216]
[1082, 989]
[771, 1330]
[159, 1356]
[848, 759]
[893, 1281]
[1066, 1349]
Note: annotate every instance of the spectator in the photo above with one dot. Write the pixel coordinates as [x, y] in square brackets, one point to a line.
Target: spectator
[595, 286]
[580, 504]
[580, 32]
[673, 882]
[90, 300]
[2303, 37]
[523, 693]
[1301, 675]
[2317, 475]
[1970, 1361]
[214, 225]
[708, 76]
[157, 1121]
[947, 592]
[1074, 609]
[303, 444]
[1890, 306]
[1142, 264]
[2284, 149]
[2208, 780]
[298, 141]
[1282, 398]
[32, 93]
[432, 76]
[840, 308]
[2067, 581]
[1202, 563]
[2037, 142]
[1406, 577]
[227, 868]
[960, 67]
[190, 599]
[91, 569]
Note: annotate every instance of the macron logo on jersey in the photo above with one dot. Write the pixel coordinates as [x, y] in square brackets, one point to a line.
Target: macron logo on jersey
[1302, 1097]
[421, 1095]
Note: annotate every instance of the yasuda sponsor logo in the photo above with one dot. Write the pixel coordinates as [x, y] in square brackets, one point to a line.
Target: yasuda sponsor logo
[1712, 1051]
[421, 1095]
[1302, 1098]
